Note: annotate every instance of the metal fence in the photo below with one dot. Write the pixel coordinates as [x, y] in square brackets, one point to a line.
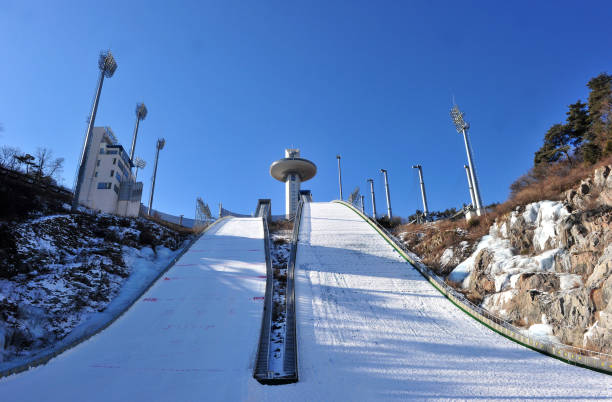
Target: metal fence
[601, 362]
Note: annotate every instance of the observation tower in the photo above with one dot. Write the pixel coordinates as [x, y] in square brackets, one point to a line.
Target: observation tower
[292, 170]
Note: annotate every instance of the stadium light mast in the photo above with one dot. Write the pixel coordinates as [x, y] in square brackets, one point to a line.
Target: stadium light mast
[140, 164]
[384, 172]
[141, 113]
[469, 179]
[371, 181]
[160, 145]
[107, 66]
[462, 127]
[423, 195]
[362, 204]
[339, 176]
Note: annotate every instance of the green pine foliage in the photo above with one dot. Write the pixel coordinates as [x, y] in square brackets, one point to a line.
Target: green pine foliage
[587, 132]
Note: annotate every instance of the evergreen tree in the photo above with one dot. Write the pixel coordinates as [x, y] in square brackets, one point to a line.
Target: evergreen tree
[556, 144]
[600, 113]
[577, 123]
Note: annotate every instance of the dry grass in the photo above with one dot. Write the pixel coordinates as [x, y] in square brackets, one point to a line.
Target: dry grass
[547, 183]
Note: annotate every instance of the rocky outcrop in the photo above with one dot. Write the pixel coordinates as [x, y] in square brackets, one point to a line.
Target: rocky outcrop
[550, 263]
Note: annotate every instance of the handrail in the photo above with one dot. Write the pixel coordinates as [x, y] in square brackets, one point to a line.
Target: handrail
[569, 354]
[66, 343]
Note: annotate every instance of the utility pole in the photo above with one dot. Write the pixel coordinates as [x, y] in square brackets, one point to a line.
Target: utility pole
[423, 195]
[339, 176]
[141, 113]
[469, 179]
[362, 204]
[462, 126]
[160, 145]
[384, 172]
[107, 66]
[371, 181]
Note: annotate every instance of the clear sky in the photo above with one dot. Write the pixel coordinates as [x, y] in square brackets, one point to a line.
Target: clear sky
[231, 84]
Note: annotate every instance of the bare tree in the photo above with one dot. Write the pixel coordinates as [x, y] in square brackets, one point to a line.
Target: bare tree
[8, 157]
[48, 166]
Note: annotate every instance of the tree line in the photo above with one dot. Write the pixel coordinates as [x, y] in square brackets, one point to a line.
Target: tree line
[43, 165]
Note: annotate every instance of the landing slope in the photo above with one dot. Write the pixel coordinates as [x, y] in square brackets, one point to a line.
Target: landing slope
[371, 328]
[192, 336]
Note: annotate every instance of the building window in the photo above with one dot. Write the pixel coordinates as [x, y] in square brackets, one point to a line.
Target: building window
[104, 186]
[98, 162]
[114, 161]
[116, 189]
[102, 150]
[118, 177]
[96, 174]
[112, 173]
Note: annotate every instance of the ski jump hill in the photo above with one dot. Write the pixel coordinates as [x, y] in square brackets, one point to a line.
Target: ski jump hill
[369, 327]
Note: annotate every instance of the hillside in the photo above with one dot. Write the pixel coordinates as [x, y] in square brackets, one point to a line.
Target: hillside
[544, 266]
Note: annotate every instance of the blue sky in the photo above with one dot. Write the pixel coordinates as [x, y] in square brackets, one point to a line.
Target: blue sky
[231, 84]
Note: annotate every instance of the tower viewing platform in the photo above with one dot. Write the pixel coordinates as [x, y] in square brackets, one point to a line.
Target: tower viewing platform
[292, 170]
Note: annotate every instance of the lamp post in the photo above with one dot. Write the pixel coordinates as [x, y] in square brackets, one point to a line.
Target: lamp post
[384, 172]
[140, 164]
[160, 145]
[141, 113]
[339, 176]
[469, 179]
[371, 181]
[462, 127]
[107, 66]
[362, 204]
[423, 195]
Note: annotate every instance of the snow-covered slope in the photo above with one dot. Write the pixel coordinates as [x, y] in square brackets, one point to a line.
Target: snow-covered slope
[371, 328]
[192, 336]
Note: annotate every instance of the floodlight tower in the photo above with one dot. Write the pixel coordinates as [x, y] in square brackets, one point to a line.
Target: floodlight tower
[141, 113]
[462, 126]
[469, 179]
[107, 66]
[140, 164]
[371, 181]
[339, 176]
[160, 145]
[423, 195]
[362, 204]
[384, 172]
[292, 170]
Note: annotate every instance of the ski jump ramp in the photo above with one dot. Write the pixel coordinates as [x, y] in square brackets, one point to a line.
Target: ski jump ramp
[192, 337]
[370, 327]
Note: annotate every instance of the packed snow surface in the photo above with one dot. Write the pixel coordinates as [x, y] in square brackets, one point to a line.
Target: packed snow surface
[192, 336]
[370, 328]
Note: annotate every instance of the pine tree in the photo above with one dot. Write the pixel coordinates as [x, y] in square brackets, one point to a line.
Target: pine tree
[600, 113]
[577, 123]
[556, 144]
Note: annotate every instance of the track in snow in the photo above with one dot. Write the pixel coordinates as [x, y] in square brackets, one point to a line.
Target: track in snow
[192, 336]
[370, 327]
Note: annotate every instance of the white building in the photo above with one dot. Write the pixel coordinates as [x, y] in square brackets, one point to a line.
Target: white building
[108, 184]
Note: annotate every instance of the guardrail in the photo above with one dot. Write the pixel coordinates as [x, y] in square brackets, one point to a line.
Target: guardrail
[600, 362]
[262, 372]
[69, 342]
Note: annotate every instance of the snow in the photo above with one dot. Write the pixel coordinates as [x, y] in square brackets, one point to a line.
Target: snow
[548, 216]
[542, 331]
[369, 328]
[192, 336]
[569, 281]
